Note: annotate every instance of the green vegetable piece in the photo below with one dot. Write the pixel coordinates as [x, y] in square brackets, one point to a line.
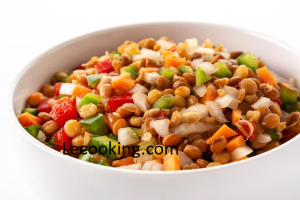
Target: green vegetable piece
[288, 95]
[64, 95]
[249, 60]
[94, 124]
[144, 144]
[33, 130]
[164, 102]
[137, 131]
[51, 141]
[291, 108]
[61, 76]
[115, 53]
[272, 133]
[86, 157]
[90, 98]
[222, 71]
[112, 136]
[201, 76]
[167, 72]
[32, 111]
[185, 69]
[93, 80]
[110, 148]
[131, 71]
[101, 162]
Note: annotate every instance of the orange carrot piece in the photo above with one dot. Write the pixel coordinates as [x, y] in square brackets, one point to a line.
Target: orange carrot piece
[223, 131]
[123, 82]
[172, 162]
[27, 119]
[210, 95]
[80, 91]
[173, 61]
[265, 76]
[235, 143]
[166, 53]
[235, 116]
[123, 162]
[242, 158]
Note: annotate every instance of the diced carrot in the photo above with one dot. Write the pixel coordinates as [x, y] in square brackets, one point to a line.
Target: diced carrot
[173, 61]
[242, 158]
[165, 53]
[123, 162]
[27, 119]
[235, 143]
[223, 131]
[123, 82]
[172, 162]
[210, 95]
[235, 116]
[265, 76]
[80, 91]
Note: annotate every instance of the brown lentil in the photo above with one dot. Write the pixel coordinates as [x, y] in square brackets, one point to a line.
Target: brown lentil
[218, 145]
[50, 127]
[192, 152]
[172, 139]
[270, 121]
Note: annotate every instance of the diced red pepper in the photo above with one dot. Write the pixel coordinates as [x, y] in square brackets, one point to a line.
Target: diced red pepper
[60, 139]
[236, 87]
[278, 102]
[104, 67]
[172, 49]
[64, 110]
[44, 106]
[161, 115]
[56, 89]
[247, 129]
[117, 101]
[79, 67]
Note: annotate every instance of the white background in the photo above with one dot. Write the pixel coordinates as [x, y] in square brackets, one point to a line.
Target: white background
[30, 27]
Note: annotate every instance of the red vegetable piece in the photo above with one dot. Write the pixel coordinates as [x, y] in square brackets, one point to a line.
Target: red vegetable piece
[278, 102]
[60, 139]
[160, 115]
[56, 89]
[104, 67]
[117, 101]
[64, 110]
[172, 49]
[79, 67]
[44, 106]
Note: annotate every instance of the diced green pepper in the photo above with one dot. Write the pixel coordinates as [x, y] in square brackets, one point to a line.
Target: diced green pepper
[33, 130]
[288, 94]
[115, 53]
[272, 133]
[201, 76]
[291, 108]
[165, 102]
[90, 98]
[167, 72]
[101, 162]
[222, 71]
[131, 71]
[137, 131]
[94, 124]
[109, 148]
[64, 95]
[144, 144]
[185, 69]
[51, 141]
[32, 111]
[86, 157]
[61, 76]
[249, 60]
[93, 80]
[112, 136]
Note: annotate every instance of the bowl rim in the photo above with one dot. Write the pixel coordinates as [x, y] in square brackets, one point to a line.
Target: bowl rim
[59, 155]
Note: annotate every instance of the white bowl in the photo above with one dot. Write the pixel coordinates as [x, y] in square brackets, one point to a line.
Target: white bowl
[51, 175]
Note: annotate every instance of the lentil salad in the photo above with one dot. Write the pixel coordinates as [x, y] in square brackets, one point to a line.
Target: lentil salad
[215, 106]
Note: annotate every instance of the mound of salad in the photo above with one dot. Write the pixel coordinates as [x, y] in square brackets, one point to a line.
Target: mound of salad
[172, 106]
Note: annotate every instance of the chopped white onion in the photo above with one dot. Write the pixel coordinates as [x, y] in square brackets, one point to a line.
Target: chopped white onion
[200, 90]
[208, 68]
[137, 57]
[140, 100]
[186, 129]
[161, 126]
[184, 159]
[105, 79]
[207, 57]
[191, 44]
[226, 55]
[138, 88]
[215, 111]
[227, 101]
[233, 92]
[284, 115]
[165, 44]
[132, 167]
[126, 136]
[153, 166]
[147, 53]
[142, 158]
[67, 88]
[203, 50]
[240, 152]
[41, 136]
[263, 101]
[78, 100]
[200, 108]
[263, 138]
[150, 77]
[196, 62]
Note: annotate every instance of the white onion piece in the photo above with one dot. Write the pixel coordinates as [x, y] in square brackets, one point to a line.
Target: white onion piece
[203, 50]
[150, 77]
[208, 68]
[233, 92]
[126, 136]
[191, 43]
[186, 129]
[142, 158]
[263, 138]
[161, 126]
[138, 88]
[165, 44]
[41, 136]
[147, 53]
[234, 104]
[226, 55]
[284, 115]
[152, 166]
[263, 101]
[140, 100]
[207, 57]
[227, 101]
[240, 152]
[78, 100]
[137, 57]
[200, 90]
[184, 159]
[105, 79]
[200, 108]
[215, 111]
[196, 62]
[175, 54]
[132, 167]
[67, 88]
